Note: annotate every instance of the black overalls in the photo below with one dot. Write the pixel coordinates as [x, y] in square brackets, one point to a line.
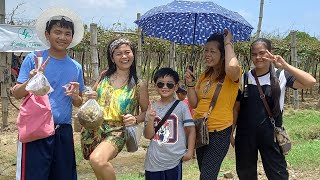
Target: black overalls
[255, 132]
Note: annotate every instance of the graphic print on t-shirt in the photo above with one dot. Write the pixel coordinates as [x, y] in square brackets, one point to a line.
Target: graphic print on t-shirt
[168, 132]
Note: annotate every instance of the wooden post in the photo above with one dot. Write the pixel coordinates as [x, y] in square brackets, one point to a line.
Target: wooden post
[260, 18]
[139, 50]
[3, 73]
[294, 59]
[94, 51]
[172, 56]
[148, 66]
[4, 84]
[2, 11]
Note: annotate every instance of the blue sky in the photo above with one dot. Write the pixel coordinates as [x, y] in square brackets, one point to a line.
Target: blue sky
[280, 16]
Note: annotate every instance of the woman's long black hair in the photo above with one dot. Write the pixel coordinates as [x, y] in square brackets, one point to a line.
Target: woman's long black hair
[112, 66]
[274, 81]
[221, 66]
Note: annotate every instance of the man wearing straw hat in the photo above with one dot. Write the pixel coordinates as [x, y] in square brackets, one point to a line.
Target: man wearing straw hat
[53, 157]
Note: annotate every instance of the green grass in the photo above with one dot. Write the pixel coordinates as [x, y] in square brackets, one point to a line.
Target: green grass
[302, 125]
[305, 156]
[190, 170]
[228, 163]
[304, 130]
[134, 176]
[78, 153]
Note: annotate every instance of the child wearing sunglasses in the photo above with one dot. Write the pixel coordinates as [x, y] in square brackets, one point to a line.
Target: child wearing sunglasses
[170, 144]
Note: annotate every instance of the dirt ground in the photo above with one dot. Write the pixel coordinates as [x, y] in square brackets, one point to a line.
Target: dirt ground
[125, 162]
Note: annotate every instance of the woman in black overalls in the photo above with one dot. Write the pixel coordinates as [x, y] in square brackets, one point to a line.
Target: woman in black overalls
[254, 129]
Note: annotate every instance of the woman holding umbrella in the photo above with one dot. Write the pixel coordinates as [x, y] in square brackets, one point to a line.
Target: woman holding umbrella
[222, 65]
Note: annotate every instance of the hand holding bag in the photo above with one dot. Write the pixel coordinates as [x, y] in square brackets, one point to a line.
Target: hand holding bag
[201, 124]
[35, 120]
[280, 134]
[133, 137]
[90, 115]
[39, 84]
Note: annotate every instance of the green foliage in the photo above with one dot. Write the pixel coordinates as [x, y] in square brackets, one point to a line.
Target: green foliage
[308, 50]
[282, 45]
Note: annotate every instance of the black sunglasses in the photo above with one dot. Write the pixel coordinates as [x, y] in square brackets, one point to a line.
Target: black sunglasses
[169, 85]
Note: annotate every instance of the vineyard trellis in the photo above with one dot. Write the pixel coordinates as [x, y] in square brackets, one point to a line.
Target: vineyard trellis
[157, 53]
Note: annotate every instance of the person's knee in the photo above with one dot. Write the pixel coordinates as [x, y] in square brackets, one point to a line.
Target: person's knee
[98, 162]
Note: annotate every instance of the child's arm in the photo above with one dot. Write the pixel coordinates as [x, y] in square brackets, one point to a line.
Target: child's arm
[191, 138]
[149, 125]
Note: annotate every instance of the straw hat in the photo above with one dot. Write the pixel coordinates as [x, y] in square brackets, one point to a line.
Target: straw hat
[54, 12]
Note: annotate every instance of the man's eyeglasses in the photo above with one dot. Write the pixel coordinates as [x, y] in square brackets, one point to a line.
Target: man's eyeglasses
[169, 85]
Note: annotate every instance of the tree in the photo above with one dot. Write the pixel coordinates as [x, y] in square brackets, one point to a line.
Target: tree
[13, 13]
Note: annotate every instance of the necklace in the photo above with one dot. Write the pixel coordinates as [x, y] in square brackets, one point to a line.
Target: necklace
[114, 77]
[209, 84]
[206, 89]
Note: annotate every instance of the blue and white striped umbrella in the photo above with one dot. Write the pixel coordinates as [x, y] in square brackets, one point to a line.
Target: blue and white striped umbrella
[192, 22]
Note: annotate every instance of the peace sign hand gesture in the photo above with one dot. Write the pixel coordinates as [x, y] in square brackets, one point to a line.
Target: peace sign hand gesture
[39, 67]
[151, 113]
[277, 60]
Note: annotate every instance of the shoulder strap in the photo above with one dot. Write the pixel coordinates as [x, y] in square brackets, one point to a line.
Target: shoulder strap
[215, 95]
[166, 116]
[245, 84]
[278, 73]
[262, 96]
[245, 78]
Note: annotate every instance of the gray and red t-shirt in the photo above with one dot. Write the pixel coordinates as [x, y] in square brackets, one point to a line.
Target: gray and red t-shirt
[168, 145]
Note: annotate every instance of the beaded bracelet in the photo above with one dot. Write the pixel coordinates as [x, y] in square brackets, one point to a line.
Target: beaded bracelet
[191, 84]
[231, 44]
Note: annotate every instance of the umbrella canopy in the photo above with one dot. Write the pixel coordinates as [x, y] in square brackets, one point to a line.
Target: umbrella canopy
[192, 22]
